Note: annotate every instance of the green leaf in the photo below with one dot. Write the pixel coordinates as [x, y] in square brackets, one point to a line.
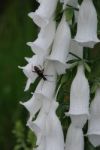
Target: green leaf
[87, 67]
[69, 12]
[74, 65]
[72, 61]
[31, 138]
[94, 88]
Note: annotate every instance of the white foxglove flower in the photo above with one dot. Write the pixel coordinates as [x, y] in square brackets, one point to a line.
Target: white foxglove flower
[94, 121]
[29, 69]
[48, 87]
[48, 128]
[33, 106]
[61, 45]
[54, 133]
[87, 25]
[79, 98]
[41, 45]
[44, 13]
[74, 139]
[39, 125]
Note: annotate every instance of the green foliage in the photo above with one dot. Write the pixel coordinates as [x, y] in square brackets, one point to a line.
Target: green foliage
[69, 14]
[25, 140]
[15, 30]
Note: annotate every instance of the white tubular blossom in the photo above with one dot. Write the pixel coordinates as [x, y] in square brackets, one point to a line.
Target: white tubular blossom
[33, 106]
[44, 13]
[48, 128]
[39, 125]
[61, 45]
[87, 25]
[74, 139]
[94, 121]
[48, 87]
[54, 133]
[41, 46]
[29, 69]
[79, 98]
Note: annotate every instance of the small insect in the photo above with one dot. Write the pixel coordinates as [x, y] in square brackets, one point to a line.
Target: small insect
[40, 72]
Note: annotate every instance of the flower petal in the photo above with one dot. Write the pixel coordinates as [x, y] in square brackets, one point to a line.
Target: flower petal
[94, 121]
[41, 45]
[74, 139]
[44, 13]
[79, 94]
[87, 25]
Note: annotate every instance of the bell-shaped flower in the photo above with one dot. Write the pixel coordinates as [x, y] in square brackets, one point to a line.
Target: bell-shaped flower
[76, 49]
[49, 85]
[54, 133]
[79, 98]
[44, 13]
[39, 125]
[87, 25]
[61, 45]
[74, 139]
[94, 121]
[47, 128]
[29, 69]
[33, 106]
[41, 46]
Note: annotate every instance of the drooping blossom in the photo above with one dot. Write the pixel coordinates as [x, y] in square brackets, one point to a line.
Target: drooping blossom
[61, 45]
[94, 120]
[74, 138]
[87, 25]
[41, 46]
[79, 98]
[44, 13]
[29, 69]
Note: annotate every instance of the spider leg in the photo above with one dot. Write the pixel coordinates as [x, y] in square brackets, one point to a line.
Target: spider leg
[42, 69]
[48, 75]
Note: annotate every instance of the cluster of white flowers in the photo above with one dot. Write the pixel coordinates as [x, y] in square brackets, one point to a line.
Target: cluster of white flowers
[51, 50]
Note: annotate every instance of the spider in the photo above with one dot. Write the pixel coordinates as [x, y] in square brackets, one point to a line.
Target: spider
[40, 72]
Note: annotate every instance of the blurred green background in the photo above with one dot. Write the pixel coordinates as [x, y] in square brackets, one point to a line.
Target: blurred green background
[16, 28]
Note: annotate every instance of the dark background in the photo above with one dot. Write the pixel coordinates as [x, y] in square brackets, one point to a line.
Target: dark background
[16, 28]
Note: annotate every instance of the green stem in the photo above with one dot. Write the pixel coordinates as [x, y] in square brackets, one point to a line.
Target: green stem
[77, 9]
[75, 55]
